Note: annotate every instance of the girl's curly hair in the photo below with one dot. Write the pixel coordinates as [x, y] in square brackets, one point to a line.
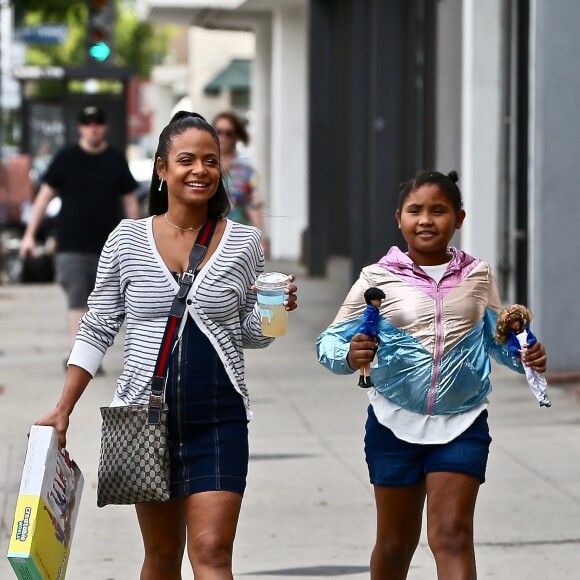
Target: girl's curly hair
[507, 317]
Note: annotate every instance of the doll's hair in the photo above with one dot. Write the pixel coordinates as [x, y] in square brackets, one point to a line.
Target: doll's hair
[374, 294]
[446, 183]
[507, 317]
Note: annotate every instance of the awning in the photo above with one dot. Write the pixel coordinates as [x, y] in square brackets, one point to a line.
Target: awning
[236, 76]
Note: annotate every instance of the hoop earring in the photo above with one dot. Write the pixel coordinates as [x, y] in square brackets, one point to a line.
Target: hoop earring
[160, 185]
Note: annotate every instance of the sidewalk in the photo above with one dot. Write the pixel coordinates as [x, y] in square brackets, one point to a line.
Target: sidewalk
[309, 509]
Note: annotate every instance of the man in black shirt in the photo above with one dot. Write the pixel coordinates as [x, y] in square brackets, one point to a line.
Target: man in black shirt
[97, 190]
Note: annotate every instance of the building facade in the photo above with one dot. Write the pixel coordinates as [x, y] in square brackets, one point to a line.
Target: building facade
[352, 97]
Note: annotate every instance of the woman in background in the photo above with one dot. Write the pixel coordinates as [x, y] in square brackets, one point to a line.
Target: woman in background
[241, 177]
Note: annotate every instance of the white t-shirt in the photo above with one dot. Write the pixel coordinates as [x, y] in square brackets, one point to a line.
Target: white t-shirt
[435, 272]
[417, 428]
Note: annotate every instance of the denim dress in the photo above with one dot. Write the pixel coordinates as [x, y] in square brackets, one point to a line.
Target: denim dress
[208, 427]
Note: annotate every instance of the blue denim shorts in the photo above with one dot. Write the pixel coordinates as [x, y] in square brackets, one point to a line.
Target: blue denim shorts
[396, 463]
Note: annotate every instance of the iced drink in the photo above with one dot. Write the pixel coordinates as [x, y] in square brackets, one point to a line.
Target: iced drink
[271, 295]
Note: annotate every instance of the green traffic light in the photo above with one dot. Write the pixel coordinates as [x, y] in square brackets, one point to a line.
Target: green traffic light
[100, 51]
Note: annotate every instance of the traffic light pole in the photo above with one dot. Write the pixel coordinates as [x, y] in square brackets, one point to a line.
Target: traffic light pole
[100, 31]
[3, 4]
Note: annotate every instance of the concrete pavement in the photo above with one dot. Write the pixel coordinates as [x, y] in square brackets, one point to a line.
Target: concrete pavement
[309, 510]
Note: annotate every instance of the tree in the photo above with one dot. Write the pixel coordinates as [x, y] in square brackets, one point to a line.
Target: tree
[136, 44]
[52, 10]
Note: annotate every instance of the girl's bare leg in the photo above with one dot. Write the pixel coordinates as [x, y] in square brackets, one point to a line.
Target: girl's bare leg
[450, 510]
[399, 518]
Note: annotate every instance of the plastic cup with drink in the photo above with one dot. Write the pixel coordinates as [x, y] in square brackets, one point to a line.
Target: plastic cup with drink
[271, 288]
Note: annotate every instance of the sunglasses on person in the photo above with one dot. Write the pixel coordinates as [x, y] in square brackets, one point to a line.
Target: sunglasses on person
[226, 132]
[92, 122]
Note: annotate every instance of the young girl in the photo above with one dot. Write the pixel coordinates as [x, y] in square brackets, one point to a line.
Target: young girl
[206, 391]
[427, 435]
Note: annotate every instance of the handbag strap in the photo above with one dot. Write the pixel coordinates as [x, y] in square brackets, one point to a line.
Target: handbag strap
[176, 313]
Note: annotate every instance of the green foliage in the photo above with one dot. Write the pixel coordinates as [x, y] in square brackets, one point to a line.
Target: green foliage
[137, 45]
[51, 10]
[72, 51]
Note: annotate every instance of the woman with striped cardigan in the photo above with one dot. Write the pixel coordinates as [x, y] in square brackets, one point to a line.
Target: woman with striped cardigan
[209, 407]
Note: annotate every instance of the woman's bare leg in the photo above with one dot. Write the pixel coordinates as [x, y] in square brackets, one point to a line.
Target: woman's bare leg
[212, 519]
[163, 530]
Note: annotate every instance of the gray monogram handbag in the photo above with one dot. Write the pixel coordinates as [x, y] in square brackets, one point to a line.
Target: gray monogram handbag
[134, 460]
[134, 463]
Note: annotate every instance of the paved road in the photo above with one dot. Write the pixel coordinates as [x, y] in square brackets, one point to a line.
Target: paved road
[308, 511]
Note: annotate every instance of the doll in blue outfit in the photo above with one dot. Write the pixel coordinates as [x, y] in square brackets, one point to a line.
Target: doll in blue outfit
[370, 327]
[513, 329]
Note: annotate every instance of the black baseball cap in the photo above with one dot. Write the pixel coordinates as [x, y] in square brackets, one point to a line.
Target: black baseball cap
[92, 114]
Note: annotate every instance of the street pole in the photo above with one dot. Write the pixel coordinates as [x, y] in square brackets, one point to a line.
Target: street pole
[1, 84]
[3, 4]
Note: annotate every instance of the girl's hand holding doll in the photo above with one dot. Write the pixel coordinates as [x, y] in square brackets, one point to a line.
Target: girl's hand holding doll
[513, 322]
[535, 357]
[361, 351]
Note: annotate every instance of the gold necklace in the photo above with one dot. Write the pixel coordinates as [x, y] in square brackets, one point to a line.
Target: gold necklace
[184, 229]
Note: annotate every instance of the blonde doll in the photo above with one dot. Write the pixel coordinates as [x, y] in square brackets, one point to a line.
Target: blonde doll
[513, 329]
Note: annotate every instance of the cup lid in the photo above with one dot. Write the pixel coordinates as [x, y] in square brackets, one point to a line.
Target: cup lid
[271, 280]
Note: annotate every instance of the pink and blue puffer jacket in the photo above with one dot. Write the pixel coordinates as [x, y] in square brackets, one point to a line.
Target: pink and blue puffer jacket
[435, 339]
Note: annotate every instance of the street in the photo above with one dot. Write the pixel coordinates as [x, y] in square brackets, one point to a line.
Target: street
[309, 509]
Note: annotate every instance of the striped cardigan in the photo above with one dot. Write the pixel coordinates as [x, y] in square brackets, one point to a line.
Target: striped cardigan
[134, 285]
